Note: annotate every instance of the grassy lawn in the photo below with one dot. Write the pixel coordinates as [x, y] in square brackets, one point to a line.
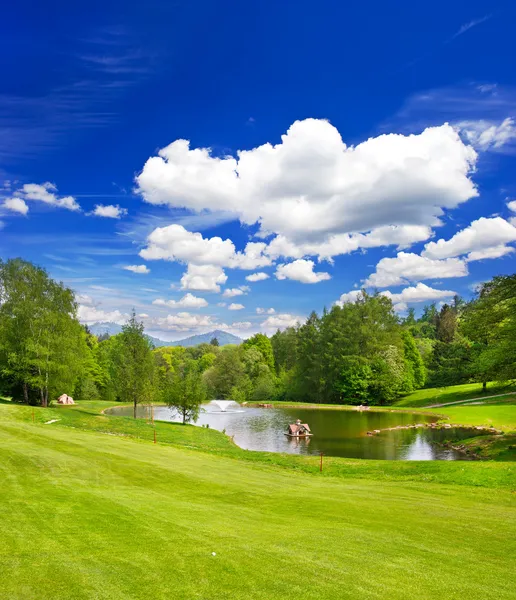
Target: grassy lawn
[427, 397]
[91, 515]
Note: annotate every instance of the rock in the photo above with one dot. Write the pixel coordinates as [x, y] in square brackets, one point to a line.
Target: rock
[65, 399]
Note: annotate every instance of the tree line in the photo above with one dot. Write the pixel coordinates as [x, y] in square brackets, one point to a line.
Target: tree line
[361, 352]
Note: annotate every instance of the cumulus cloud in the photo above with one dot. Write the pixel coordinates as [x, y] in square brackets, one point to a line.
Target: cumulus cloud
[16, 205]
[234, 306]
[407, 267]
[349, 297]
[511, 205]
[494, 252]
[203, 278]
[142, 269]
[85, 299]
[175, 243]
[281, 321]
[401, 236]
[417, 293]
[187, 301]
[265, 311]
[241, 325]
[110, 211]
[257, 277]
[184, 321]
[484, 238]
[301, 270]
[91, 314]
[488, 135]
[47, 193]
[312, 185]
[239, 291]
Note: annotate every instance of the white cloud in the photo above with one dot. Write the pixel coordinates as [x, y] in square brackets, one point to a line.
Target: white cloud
[258, 276]
[85, 299]
[16, 205]
[313, 185]
[46, 192]
[488, 135]
[241, 325]
[184, 321]
[239, 291]
[203, 278]
[418, 293]
[110, 211]
[407, 267]
[401, 236]
[187, 301]
[142, 269]
[301, 270]
[281, 321]
[482, 235]
[234, 306]
[349, 297]
[91, 314]
[511, 205]
[175, 243]
[143, 316]
[265, 311]
[494, 252]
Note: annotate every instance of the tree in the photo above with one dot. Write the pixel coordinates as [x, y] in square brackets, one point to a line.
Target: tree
[489, 322]
[262, 343]
[214, 342]
[134, 364]
[415, 366]
[226, 373]
[185, 391]
[42, 345]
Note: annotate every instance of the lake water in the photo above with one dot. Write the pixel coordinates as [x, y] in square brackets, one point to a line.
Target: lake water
[335, 432]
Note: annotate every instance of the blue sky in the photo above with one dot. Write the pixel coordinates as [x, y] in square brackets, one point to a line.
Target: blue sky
[157, 156]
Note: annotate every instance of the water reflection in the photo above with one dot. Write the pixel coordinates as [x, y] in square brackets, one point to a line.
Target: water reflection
[336, 432]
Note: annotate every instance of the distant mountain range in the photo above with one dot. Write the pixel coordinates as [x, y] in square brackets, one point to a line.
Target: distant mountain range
[223, 337]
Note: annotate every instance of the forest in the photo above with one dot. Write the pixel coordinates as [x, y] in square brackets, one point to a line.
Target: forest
[358, 353]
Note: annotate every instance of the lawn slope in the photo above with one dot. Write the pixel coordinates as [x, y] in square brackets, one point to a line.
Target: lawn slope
[89, 515]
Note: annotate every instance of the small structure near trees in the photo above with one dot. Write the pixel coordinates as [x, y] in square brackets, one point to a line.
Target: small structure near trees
[298, 429]
[65, 399]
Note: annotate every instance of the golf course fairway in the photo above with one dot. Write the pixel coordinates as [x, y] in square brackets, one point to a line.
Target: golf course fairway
[89, 515]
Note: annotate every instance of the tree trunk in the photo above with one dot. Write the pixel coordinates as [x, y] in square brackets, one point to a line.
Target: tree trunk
[484, 386]
[25, 393]
[135, 404]
[42, 395]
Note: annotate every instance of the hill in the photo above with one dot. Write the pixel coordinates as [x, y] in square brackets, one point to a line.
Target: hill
[223, 337]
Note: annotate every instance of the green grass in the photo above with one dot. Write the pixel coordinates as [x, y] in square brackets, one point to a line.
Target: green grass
[87, 416]
[492, 414]
[91, 515]
[427, 397]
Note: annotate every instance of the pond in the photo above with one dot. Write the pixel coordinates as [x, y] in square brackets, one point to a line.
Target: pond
[335, 432]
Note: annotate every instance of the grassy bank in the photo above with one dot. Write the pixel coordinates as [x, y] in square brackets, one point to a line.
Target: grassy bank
[93, 509]
[454, 393]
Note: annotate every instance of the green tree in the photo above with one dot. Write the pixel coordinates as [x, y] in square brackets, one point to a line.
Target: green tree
[134, 364]
[262, 343]
[42, 345]
[185, 391]
[214, 342]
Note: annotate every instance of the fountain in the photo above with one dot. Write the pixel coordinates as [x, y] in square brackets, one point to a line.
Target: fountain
[223, 404]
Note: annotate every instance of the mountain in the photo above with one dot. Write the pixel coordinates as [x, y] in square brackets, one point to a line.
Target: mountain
[223, 337]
